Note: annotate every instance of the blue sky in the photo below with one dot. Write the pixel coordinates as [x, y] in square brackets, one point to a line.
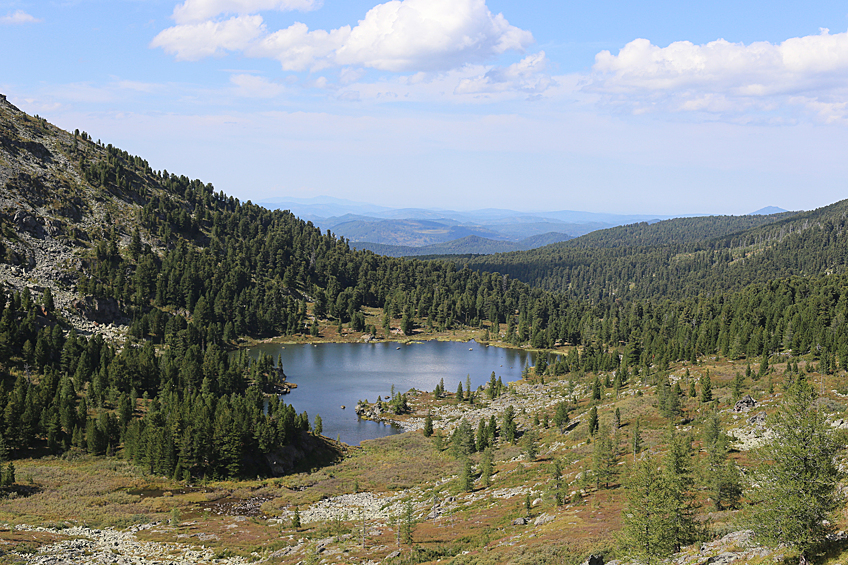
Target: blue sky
[663, 107]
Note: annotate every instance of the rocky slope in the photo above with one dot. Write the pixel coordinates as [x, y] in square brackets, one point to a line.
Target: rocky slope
[50, 216]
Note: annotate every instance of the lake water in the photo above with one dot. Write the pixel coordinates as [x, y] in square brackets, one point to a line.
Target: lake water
[329, 375]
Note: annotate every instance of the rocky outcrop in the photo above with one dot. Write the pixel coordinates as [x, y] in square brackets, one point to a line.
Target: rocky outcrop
[102, 310]
[368, 411]
[744, 404]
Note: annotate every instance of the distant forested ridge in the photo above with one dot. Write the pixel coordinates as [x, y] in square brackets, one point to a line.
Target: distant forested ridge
[807, 244]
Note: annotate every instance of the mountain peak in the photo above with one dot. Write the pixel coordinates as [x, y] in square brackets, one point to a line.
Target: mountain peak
[767, 211]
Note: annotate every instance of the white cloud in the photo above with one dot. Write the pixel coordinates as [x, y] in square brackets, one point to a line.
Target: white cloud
[18, 17]
[722, 77]
[299, 49]
[252, 86]
[198, 10]
[399, 36]
[429, 35]
[195, 41]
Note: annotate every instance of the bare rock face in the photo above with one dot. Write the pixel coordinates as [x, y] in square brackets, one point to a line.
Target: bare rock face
[27, 222]
[744, 404]
[102, 310]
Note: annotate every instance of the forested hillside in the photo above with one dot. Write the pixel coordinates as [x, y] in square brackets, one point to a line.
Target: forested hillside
[605, 265]
[673, 232]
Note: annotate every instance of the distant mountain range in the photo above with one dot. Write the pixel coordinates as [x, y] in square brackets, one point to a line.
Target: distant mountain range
[468, 245]
[418, 231]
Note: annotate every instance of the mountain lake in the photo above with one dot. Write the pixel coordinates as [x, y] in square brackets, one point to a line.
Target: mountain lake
[332, 375]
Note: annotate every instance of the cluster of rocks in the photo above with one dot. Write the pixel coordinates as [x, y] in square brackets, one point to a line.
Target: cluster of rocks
[88, 546]
[349, 506]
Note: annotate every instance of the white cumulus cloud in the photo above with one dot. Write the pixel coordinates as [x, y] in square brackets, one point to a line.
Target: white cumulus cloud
[722, 77]
[195, 41]
[18, 17]
[199, 10]
[399, 35]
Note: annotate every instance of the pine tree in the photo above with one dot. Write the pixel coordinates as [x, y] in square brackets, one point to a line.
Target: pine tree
[679, 474]
[764, 365]
[428, 425]
[604, 457]
[593, 420]
[467, 476]
[318, 426]
[509, 427]
[647, 519]
[738, 381]
[295, 522]
[482, 435]
[797, 479]
[706, 388]
[9, 474]
[637, 438]
[529, 443]
[561, 415]
[720, 474]
[556, 478]
[408, 523]
[486, 467]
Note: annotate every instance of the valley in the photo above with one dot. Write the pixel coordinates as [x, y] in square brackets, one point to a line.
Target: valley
[656, 372]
